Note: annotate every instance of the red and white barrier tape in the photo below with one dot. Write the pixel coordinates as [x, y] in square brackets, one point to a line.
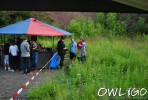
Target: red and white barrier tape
[30, 80]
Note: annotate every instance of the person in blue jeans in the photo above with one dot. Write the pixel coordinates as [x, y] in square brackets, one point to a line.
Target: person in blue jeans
[34, 55]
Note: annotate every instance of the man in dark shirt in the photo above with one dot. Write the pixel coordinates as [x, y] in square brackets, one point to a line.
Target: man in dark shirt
[18, 43]
[61, 50]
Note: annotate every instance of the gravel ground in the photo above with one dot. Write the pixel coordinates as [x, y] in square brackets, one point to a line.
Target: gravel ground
[11, 82]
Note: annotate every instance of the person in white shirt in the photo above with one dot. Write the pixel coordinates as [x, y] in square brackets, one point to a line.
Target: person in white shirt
[13, 50]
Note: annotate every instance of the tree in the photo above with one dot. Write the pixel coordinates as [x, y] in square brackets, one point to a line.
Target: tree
[4, 19]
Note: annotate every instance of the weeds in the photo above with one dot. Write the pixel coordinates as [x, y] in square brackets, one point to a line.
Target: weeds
[111, 63]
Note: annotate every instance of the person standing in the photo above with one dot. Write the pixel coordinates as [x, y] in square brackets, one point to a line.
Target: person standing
[61, 50]
[73, 50]
[34, 55]
[6, 56]
[83, 51]
[25, 55]
[13, 50]
[79, 45]
[18, 43]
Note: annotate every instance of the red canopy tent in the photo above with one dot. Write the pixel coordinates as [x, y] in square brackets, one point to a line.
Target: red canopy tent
[33, 27]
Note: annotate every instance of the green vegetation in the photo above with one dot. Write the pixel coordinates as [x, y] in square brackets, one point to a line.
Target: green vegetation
[82, 27]
[141, 26]
[11, 17]
[111, 63]
[107, 24]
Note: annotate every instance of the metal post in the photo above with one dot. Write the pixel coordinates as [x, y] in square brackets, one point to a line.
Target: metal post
[53, 42]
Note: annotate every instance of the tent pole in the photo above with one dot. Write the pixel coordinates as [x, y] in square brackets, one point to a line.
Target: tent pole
[28, 38]
[1, 39]
[1, 47]
[14, 37]
[4, 39]
[53, 42]
[2, 42]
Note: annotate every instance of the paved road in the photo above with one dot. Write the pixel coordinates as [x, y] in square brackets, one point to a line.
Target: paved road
[11, 82]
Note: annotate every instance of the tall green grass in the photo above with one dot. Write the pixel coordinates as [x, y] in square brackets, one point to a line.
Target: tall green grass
[52, 42]
[111, 63]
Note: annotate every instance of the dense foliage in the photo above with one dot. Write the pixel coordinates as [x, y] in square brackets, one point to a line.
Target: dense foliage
[141, 26]
[82, 27]
[11, 17]
[107, 24]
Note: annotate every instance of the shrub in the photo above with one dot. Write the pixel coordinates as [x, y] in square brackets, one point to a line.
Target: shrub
[82, 26]
[111, 21]
[100, 18]
[141, 25]
[99, 28]
[120, 28]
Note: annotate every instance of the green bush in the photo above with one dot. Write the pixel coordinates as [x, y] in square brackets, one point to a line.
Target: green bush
[120, 28]
[141, 26]
[100, 18]
[82, 27]
[111, 21]
[99, 28]
[109, 25]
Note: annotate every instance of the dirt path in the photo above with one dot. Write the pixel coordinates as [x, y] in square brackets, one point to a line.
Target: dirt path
[11, 82]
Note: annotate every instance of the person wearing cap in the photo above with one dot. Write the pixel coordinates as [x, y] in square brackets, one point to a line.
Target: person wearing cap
[61, 48]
